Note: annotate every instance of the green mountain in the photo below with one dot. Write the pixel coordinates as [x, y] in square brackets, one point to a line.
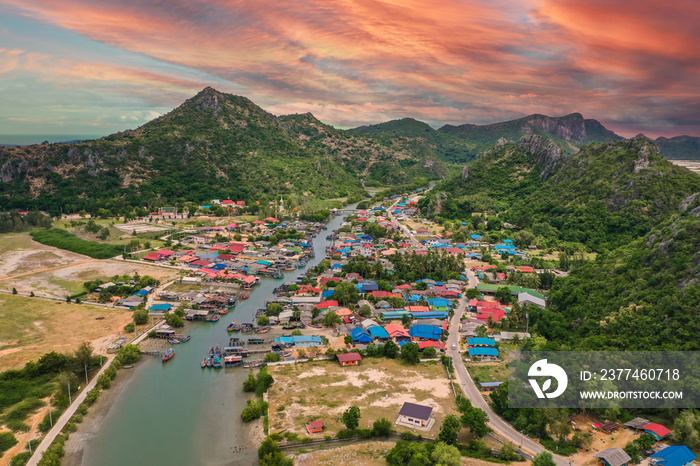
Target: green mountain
[679, 147]
[366, 158]
[214, 145]
[642, 296]
[604, 196]
[570, 131]
[412, 135]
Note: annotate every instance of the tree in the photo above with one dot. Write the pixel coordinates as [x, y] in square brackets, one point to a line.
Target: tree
[274, 309]
[543, 459]
[272, 357]
[365, 311]
[473, 293]
[373, 350]
[301, 352]
[104, 233]
[331, 319]
[14, 290]
[263, 321]
[270, 454]
[250, 383]
[450, 429]
[347, 339]
[410, 352]
[140, 316]
[174, 320]
[346, 293]
[523, 238]
[475, 419]
[391, 350]
[503, 295]
[130, 327]
[82, 356]
[351, 417]
[430, 352]
[405, 319]
[686, 429]
[446, 455]
[381, 427]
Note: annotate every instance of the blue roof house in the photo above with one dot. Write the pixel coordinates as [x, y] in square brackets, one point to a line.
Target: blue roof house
[677, 455]
[361, 335]
[425, 332]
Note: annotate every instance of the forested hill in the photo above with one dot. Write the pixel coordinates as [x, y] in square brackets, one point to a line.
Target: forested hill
[570, 131]
[410, 134]
[643, 296]
[213, 146]
[604, 196]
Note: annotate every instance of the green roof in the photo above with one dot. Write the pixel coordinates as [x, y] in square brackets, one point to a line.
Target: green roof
[513, 289]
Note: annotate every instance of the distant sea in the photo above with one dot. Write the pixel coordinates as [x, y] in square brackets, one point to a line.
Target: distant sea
[28, 139]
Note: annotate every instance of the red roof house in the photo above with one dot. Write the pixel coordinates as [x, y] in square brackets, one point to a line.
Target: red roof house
[349, 359]
[314, 427]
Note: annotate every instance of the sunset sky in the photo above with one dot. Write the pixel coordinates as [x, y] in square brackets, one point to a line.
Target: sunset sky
[94, 67]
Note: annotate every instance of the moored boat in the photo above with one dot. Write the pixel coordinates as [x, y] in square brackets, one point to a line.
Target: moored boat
[263, 330]
[204, 363]
[244, 295]
[169, 355]
[233, 326]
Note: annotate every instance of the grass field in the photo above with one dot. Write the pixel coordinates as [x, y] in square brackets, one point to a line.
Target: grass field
[379, 387]
[32, 327]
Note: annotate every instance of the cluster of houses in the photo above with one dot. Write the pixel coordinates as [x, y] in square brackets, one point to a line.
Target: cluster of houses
[661, 454]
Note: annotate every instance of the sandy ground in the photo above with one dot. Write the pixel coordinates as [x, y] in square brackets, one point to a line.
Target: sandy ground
[21, 254]
[601, 441]
[379, 387]
[91, 422]
[70, 279]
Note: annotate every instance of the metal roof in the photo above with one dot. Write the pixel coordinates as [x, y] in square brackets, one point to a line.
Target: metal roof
[613, 456]
[416, 411]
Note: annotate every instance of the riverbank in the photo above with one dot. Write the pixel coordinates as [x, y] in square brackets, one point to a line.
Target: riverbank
[75, 446]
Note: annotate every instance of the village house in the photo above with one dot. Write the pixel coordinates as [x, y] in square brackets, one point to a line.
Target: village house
[314, 427]
[415, 416]
[613, 457]
[349, 359]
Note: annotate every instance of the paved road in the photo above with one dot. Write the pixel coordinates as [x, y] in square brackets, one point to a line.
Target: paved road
[68, 413]
[500, 427]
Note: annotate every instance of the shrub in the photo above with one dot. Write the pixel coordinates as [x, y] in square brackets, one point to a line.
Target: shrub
[91, 397]
[71, 427]
[7, 441]
[21, 459]
[345, 433]
[140, 316]
[82, 409]
[130, 327]
[63, 239]
[365, 433]
[77, 418]
[104, 381]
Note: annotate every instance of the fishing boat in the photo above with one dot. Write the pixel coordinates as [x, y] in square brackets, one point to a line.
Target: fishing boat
[185, 339]
[255, 364]
[173, 341]
[231, 361]
[217, 363]
[223, 311]
[244, 295]
[286, 334]
[263, 330]
[256, 341]
[204, 363]
[247, 328]
[169, 355]
[213, 318]
[233, 327]
[209, 362]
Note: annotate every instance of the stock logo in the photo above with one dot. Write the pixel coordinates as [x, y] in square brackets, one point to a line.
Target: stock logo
[544, 369]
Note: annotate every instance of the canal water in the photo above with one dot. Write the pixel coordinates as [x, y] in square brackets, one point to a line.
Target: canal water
[180, 414]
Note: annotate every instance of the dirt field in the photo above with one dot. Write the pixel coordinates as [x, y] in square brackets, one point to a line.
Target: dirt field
[21, 254]
[34, 326]
[379, 387]
[365, 454]
[69, 280]
[601, 441]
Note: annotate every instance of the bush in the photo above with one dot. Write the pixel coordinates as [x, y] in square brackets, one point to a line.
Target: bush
[346, 433]
[272, 357]
[77, 418]
[254, 410]
[82, 409]
[129, 354]
[7, 441]
[174, 320]
[63, 239]
[21, 459]
[130, 327]
[381, 427]
[276, 437]
[45, 424]
[91, 397]
[71, 427]
[365, 433]
[16, 426]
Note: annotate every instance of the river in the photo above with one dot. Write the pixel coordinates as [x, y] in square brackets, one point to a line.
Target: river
[180, 414]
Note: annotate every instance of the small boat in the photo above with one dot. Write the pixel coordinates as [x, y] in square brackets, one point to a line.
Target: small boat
[232, 326]
[286, 334]
[214, 318]
[256, 341]
[244, 295]
[186, 339]
[263, 330]
[254, 364]
[173, 341]
[223, 311]
[204, 363]
[169, 355]
[209, 363]
[217, 363]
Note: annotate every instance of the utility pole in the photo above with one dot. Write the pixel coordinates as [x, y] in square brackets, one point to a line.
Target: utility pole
[86, 374]
[29, 441]
[70, 399]
[527, 325]
[50, 415]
